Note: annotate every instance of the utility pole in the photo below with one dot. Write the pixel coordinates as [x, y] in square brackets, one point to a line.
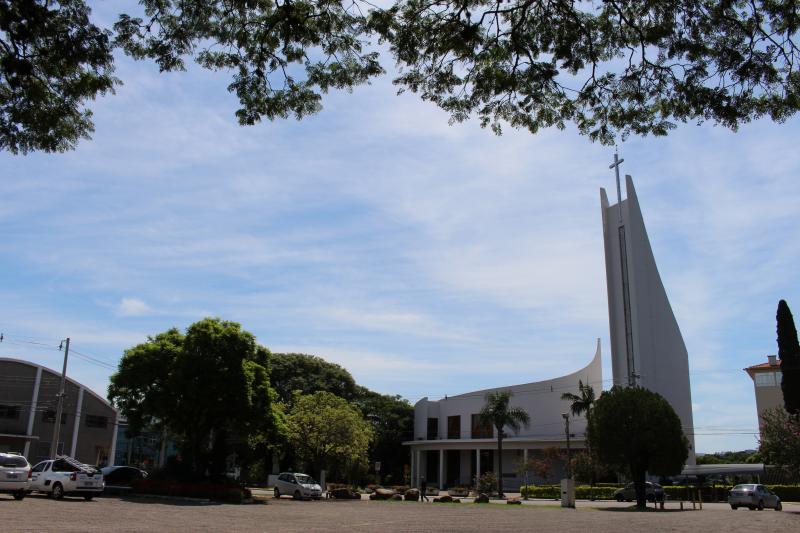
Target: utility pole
[60, 409]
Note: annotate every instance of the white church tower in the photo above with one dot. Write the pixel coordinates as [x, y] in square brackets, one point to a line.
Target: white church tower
[647, 347]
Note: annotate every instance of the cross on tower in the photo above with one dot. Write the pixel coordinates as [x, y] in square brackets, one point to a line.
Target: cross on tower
[615, 165]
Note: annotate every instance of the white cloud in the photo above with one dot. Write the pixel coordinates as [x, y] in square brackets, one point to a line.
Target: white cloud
[133, 307]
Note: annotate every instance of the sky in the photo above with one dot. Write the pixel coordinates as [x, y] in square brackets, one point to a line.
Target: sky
[428, 259]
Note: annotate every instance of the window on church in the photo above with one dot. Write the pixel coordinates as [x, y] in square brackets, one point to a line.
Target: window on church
[480, 431]
[433, 429]
[765, 379]
[454, 427]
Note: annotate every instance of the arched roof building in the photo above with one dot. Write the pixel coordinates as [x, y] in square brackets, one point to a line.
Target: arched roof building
[28, 400]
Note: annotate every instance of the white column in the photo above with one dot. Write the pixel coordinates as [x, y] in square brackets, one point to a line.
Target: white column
[32, 415]
[76, 427]
[112, 454]
[441, 469]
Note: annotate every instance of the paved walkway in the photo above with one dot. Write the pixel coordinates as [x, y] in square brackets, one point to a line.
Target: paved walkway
[109, 514]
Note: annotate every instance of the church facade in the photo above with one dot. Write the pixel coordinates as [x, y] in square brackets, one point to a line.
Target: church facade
[647, 350]
[451, 448]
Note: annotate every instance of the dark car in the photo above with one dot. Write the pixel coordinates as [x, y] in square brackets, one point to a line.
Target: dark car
[653, 492]
[122, 476]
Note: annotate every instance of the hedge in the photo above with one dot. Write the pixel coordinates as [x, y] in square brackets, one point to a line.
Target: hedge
[787, 493]
[583, 492]
[203, 489]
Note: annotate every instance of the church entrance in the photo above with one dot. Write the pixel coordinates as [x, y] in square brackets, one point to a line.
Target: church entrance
[453, 472]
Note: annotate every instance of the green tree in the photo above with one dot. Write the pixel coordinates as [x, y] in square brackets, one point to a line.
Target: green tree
[209, 388]
[636, 430]
[392, 421]
[499, 413]
[391, 417]
[52, 60]
[789, 354]
[582, 402]
[780, 440]
[293, 372]
[327, 432]
[611, 68]
[588, 464]
[141, 387]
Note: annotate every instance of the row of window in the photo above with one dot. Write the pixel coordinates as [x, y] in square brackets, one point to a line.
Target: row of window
[13, 412]
[478, 430]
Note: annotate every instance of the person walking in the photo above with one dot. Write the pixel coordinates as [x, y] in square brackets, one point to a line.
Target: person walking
[423, 489]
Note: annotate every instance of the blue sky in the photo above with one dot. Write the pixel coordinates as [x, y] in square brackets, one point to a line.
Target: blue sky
[425, 258]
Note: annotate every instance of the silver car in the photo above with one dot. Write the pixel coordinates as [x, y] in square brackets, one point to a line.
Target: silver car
[14, 474]
[753, 497]
[298, 486]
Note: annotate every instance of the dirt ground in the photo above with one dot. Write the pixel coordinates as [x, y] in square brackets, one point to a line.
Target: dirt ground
[109, 514]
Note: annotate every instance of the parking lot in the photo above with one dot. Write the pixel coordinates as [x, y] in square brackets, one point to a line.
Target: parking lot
[38, 513]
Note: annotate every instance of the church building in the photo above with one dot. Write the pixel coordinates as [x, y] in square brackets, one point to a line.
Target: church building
[451, 448]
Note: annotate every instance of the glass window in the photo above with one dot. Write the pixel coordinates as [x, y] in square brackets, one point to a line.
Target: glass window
[433, 429]
[49, 417]
[778, 377]
[38, 468]
[95, 421]
[13, 461]
[454, 427]
[765, 379]
[479, 430]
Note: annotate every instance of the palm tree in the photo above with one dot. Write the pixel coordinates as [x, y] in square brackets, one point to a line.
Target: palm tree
[500, 414]
[581, 403]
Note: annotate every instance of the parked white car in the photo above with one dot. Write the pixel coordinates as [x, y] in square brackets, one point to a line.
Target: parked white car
[14, 472]
[298, 486]
[66, 476]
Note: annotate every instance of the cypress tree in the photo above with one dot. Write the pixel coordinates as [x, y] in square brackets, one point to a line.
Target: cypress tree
[789, 355]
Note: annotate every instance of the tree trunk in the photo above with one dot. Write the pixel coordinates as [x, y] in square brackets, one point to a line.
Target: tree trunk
[500, 463]
[639, 484]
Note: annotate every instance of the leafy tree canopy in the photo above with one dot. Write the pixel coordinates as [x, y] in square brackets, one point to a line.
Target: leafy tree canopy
[780, 440]
[637, 431]
[611, 68]
[723, 458]
[327, 432]
[391, 417]
[208, 387]
[392, 421]
[292, 372]
[52, 59]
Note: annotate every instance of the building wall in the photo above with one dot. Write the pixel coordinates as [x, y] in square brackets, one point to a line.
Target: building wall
[767, 384]
[660, 360]
[541, 400]
[90, 445]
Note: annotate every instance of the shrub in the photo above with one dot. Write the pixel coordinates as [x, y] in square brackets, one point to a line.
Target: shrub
[487, 484]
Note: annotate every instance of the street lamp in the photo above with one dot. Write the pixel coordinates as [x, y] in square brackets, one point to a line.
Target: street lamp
[569, 451]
